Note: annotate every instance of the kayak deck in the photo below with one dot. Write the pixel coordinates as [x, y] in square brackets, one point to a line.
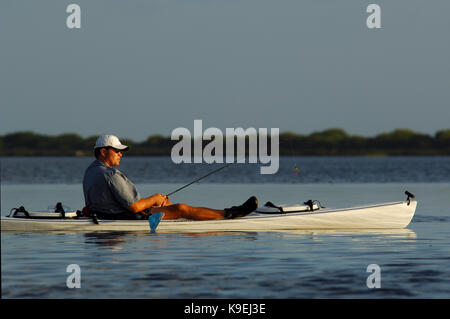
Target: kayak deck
[396, 215]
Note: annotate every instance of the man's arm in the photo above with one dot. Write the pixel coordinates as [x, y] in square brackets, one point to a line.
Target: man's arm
[144, 203]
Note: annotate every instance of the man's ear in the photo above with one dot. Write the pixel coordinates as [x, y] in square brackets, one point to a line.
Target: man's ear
[103, 152]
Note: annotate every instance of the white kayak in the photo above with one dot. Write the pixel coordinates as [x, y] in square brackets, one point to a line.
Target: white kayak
[394, 215]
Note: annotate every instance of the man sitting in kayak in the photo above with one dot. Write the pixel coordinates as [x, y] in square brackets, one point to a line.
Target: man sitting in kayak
[111, 195]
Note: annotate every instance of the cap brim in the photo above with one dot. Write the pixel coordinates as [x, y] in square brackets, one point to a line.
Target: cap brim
[122, 148]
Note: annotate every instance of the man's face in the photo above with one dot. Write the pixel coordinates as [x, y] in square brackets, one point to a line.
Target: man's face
[112, 156]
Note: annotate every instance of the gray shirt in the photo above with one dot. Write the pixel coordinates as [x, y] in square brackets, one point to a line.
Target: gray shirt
[107, 189]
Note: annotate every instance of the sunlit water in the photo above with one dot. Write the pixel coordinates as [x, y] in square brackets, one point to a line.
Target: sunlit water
[414, 263]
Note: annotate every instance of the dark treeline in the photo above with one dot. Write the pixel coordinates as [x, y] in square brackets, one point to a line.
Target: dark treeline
[328, 142]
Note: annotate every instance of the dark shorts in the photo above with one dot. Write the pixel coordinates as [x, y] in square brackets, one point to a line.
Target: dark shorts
[121, 216]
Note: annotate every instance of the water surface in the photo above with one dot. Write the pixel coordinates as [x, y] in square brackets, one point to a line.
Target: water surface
[414, 262]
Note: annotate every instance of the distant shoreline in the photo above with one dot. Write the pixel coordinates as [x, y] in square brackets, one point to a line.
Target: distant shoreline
[331, 142]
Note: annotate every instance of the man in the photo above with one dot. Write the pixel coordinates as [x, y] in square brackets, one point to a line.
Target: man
[111, 195]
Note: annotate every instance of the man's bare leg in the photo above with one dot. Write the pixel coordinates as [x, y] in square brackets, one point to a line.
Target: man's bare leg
[176, 211]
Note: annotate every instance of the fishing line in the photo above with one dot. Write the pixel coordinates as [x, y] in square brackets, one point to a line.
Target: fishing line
[291, 147]
[199, 179]
[292, 151]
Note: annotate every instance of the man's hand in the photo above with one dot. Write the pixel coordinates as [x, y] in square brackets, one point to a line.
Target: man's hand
[160, 200]
[166, 200]
[156, 200]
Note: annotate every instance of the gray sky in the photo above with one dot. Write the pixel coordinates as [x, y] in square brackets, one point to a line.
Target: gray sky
[143, 67]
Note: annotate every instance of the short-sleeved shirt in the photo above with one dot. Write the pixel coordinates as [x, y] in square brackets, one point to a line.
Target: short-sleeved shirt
[107, 189]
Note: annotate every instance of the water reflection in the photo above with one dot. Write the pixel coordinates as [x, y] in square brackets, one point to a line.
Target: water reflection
[388, 233]
[116, 240]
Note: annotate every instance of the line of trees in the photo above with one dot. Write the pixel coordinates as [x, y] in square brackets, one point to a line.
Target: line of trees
[328, 142]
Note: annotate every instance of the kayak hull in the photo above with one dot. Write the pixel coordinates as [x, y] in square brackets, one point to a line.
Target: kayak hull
[395, 215]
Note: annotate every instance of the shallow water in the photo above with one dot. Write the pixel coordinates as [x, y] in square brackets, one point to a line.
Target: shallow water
[414, 262]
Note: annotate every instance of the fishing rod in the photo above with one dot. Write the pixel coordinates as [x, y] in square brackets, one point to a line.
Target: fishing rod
[199, 179]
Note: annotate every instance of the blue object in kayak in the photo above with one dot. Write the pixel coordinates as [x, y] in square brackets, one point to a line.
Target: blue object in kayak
[154, 220]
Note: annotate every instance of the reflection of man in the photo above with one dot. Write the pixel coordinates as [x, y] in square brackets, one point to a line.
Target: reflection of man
[111, 195]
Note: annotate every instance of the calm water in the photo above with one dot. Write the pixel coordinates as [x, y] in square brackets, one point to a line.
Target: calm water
[414, 263]
[69, 170]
